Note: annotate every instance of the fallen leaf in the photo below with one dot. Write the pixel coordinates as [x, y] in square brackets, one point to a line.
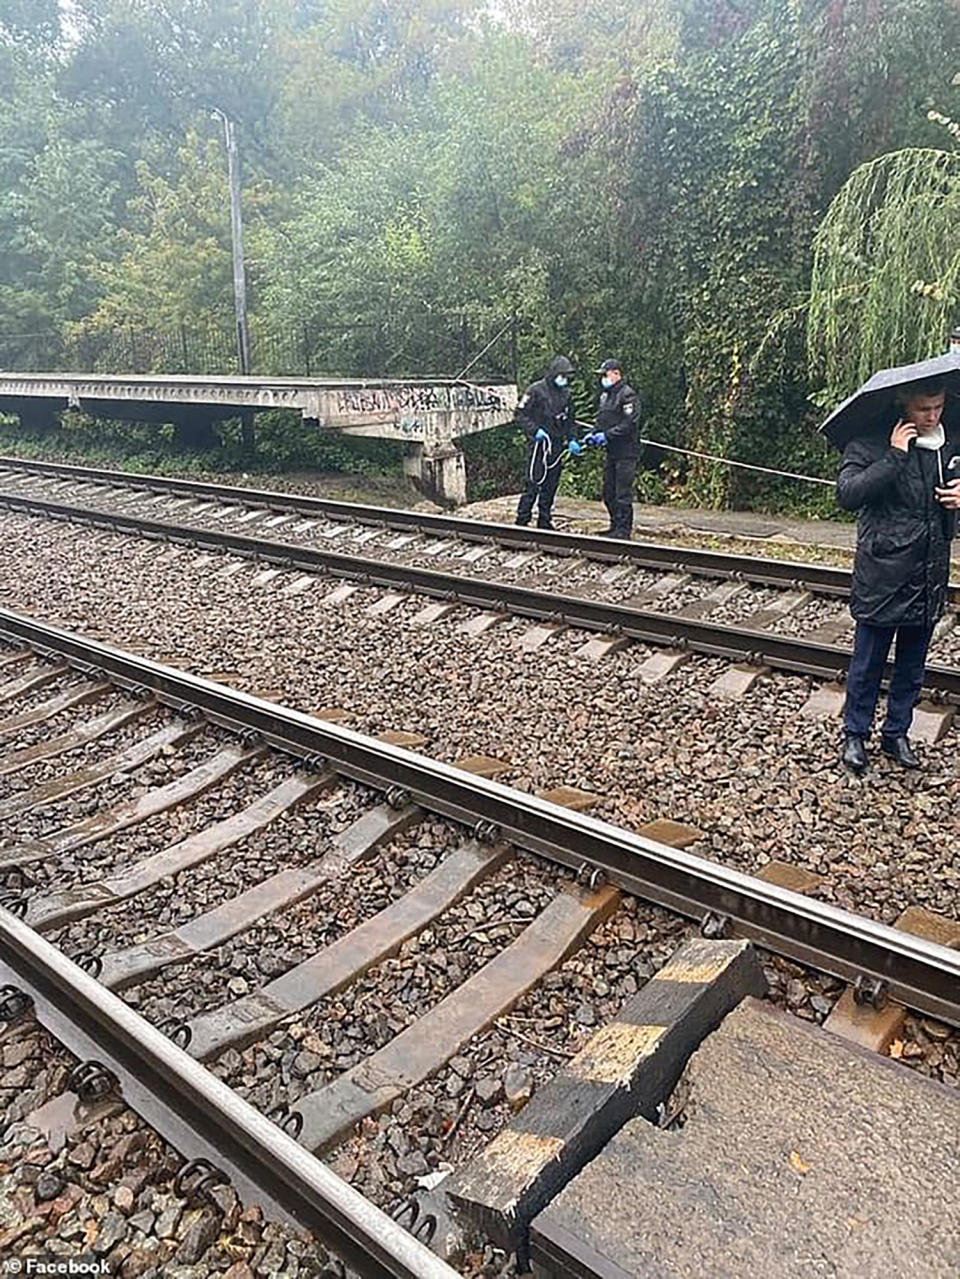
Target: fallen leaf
[797, 1164]
[896, 1049]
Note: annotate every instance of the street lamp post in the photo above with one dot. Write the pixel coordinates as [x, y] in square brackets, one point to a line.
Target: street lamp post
[239, 272]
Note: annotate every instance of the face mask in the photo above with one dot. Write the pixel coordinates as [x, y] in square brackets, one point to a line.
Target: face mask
[606, 383]
[560, 380]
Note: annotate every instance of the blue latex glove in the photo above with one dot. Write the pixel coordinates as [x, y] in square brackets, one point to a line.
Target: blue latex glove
[575, 448]
[597, 439]
[541, 435]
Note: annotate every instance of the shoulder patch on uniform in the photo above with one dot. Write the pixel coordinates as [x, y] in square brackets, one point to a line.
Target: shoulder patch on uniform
[628, 408]
[524, 399]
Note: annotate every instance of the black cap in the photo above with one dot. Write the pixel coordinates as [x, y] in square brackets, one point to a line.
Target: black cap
[607, 365]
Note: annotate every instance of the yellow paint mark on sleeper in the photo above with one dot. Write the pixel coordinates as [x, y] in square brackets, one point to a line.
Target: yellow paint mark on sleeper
[681, 970]
[613, 1053]
[521, 1156]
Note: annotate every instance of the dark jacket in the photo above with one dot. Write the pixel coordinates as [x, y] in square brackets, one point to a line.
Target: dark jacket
[546, 405]
[618, 416]
[903, 533]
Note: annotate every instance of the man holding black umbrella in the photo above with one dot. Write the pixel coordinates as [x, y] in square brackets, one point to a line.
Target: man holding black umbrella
[905, 484]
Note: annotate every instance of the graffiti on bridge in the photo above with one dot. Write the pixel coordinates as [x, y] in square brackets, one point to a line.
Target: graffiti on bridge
[406, 402]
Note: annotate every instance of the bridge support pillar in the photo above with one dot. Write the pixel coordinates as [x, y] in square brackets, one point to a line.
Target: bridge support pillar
[439, 471]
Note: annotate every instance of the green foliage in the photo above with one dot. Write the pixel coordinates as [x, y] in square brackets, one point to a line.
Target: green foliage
[886, 274]
[639, 179]
[284, 442]
[174, 267]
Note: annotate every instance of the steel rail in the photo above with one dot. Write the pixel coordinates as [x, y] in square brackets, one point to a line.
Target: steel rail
[734, 643]
[917, 972]
[201, 1116]
[822, 578]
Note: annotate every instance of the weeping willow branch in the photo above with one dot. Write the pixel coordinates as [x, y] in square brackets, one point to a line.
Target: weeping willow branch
[886, 270]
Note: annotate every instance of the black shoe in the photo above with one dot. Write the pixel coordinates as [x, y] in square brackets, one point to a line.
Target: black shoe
[548, 526]
[854, 756]
[899, 749]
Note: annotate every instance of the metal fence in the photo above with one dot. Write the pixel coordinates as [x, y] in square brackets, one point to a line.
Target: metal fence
[436, 344]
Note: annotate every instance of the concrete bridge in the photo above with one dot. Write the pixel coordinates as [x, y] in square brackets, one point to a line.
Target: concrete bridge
[429, 416]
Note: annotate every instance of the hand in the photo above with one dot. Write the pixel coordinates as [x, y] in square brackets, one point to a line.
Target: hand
[574, 447]
[902, 434]
[949, 495]
[541, 435]
[596, 440]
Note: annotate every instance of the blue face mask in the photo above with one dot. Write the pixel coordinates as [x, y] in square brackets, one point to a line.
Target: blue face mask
[606, 383]
[560, 380]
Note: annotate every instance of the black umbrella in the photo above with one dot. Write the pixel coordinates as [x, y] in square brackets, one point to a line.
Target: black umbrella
[874, 408]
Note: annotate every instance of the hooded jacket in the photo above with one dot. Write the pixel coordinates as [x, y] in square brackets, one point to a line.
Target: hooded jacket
[544, 405]
[902, 563]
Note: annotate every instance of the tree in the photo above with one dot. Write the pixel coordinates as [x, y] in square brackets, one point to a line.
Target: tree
[174, 267]
[730, 166]
[886, 271]
[58, 202]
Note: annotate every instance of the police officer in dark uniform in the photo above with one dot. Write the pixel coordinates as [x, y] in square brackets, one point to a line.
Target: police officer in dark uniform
[618, 427]
[546, 415]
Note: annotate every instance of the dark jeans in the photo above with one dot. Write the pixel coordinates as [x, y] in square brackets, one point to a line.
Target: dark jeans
[546, 492]
[871, 645]
[618, 492]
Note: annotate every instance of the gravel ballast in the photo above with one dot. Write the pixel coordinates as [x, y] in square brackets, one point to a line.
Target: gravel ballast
[756, 777]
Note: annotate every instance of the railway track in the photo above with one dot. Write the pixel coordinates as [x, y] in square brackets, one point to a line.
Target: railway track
[252, 879]
[782, 615]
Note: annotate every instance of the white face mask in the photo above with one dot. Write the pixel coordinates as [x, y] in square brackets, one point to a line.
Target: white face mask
[560, 380]
[934, 439]
[606, 383]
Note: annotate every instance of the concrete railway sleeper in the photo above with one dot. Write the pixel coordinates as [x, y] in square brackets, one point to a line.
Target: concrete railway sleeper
[688, 628]
[250, 767]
